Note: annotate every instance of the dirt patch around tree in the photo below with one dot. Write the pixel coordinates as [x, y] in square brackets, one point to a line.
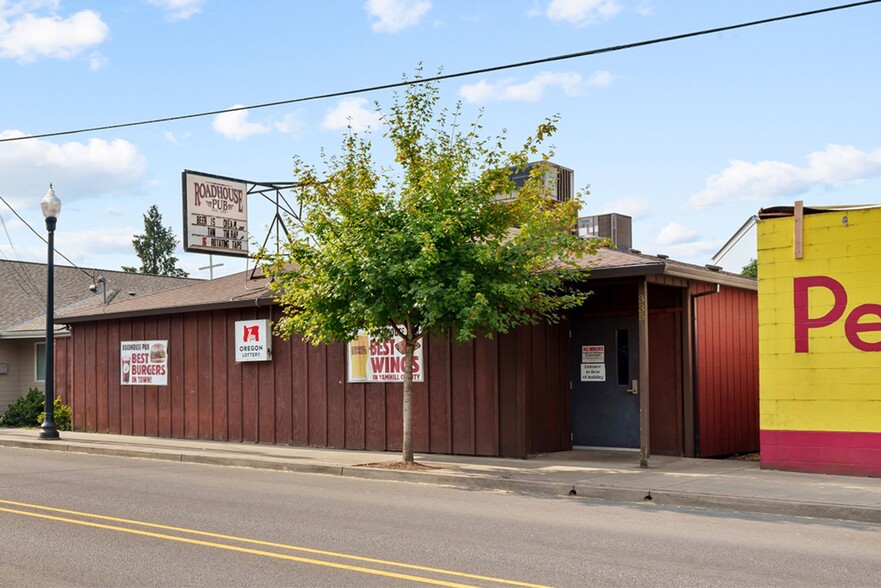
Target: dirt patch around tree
[401, 465]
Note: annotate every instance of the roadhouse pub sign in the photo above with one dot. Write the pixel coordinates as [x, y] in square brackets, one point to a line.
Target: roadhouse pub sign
[215, 214]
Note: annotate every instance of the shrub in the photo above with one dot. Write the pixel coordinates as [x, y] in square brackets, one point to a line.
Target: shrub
[25, 411]
[61, 415]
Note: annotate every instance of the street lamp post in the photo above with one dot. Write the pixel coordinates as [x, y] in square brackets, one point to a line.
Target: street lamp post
[51, 207]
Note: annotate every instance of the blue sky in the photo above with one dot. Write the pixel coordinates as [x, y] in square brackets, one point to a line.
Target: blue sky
[690, 138]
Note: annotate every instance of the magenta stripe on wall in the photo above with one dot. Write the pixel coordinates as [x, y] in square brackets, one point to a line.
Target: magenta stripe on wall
[825, 452]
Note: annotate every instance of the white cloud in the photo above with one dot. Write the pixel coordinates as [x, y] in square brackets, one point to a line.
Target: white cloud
[694, 251]
[178, 9]
[767, 180]
[351, 113]
[290, 124]
[635, 207]
[645, 8]
[235, 125]
[109, 240]
[30, 30]
[571, 83]
[78, 170]
[96, 61]
[391, 16]
[175, 138]
[582, 12]
[675, 234]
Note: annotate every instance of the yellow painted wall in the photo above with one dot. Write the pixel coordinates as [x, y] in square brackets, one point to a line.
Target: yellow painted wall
[833, 386]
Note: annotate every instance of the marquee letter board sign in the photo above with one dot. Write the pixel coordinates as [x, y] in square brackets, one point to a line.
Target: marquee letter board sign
[215, 214]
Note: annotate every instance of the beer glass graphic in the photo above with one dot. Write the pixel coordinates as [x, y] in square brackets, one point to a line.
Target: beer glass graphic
[126, 370]
[358, 358]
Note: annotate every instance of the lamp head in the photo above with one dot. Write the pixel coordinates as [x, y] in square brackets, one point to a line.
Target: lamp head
[50, 204]
[94, 287]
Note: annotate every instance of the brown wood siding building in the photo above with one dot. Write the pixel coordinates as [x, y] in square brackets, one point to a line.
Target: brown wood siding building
[501, 396]
[689, 337]
[727, 361]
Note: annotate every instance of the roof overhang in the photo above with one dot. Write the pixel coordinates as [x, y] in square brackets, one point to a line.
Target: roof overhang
[627, 271]
[10, 335]
[711, 277]
[251, 302]
[676, 271]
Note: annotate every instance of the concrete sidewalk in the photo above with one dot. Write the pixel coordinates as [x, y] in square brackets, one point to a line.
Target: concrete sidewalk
[611, 475]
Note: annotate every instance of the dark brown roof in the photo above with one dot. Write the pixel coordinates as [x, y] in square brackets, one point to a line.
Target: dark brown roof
[231, 291]
[608, 263]
[24, 284]
[239, 290]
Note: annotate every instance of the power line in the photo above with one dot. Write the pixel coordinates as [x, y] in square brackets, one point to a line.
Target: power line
[42, 238]
[442, 77]
[23, 282]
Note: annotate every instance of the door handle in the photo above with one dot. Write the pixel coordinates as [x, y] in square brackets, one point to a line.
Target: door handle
[634, 389]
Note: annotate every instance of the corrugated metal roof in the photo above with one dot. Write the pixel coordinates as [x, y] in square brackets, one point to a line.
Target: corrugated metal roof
[784, 211]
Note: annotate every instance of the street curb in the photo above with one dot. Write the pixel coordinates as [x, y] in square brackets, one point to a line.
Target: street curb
[647, 497]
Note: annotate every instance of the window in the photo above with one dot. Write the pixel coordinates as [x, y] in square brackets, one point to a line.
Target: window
[623, 344]
[40, 362]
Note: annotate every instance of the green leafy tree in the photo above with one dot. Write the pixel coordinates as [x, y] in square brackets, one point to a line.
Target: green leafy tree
[751, 269]
[155, 248]
[426, 246]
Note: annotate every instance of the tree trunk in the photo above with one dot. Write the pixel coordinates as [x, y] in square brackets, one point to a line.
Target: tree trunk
[406, 411]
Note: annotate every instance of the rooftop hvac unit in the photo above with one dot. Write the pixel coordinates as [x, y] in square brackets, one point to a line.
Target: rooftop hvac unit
[558, 180]
[613, 226]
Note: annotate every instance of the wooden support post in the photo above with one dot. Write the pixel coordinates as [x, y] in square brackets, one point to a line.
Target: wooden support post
[688, 373]
[643, 315]
[798, 238]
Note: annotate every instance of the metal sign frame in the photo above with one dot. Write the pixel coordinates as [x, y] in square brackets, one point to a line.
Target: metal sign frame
[263, 189]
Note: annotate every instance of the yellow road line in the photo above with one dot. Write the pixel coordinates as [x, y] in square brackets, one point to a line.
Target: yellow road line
[316, 562]
[261, 543]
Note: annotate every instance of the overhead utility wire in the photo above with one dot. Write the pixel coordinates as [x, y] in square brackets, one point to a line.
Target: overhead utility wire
[15, 212]
[453, 75]
[23, 282]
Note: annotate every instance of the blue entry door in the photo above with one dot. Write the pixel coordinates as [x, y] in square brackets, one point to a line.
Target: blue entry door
[605, 363]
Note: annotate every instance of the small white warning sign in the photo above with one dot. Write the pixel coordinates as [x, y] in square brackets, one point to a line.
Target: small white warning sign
[593, 353]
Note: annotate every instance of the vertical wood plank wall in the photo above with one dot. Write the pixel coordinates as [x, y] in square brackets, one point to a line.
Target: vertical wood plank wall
[506, 396]
[727, 372]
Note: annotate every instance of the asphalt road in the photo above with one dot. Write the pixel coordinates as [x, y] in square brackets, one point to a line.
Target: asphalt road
[81, 520]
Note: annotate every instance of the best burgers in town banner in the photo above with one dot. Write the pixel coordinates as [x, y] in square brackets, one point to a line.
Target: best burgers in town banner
[381, 360]
[144, 363]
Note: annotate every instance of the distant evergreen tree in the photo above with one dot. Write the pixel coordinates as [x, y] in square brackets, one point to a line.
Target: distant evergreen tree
[155, 248]
[751, 269]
